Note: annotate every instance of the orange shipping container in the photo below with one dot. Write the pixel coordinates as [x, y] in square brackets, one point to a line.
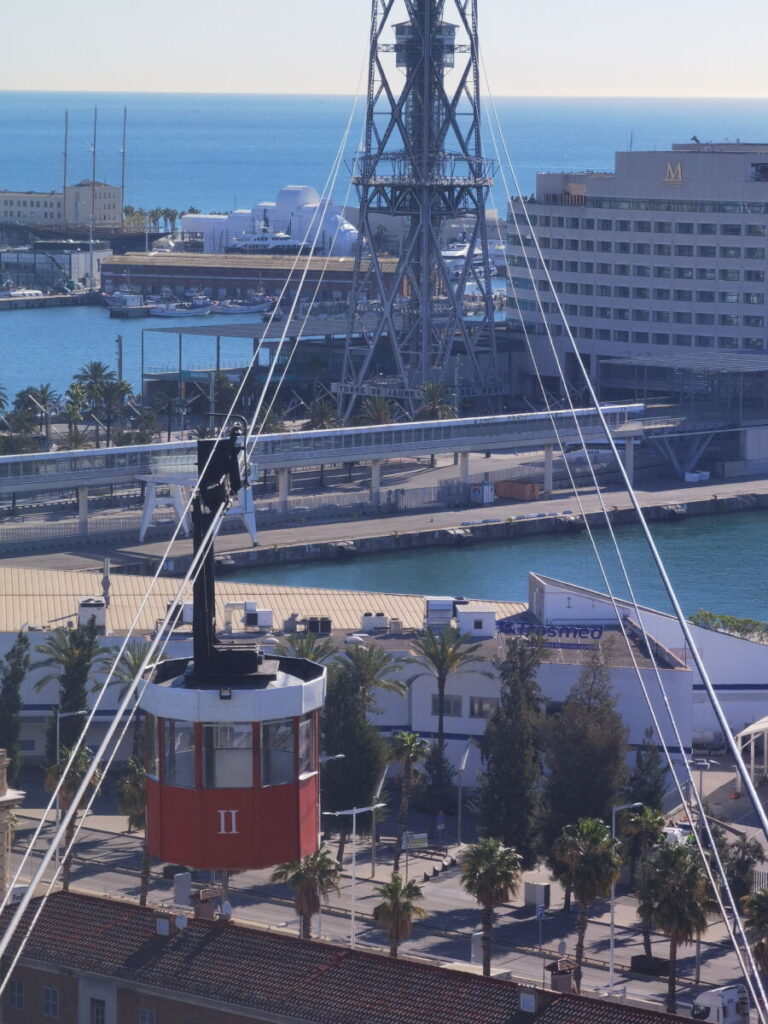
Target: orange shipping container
[517, 490]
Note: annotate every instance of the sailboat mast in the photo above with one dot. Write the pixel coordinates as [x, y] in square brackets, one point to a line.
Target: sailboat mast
[122, 169]
[64, 183]
[93, 199]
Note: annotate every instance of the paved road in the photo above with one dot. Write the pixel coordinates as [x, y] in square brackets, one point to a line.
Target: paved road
[107, 861]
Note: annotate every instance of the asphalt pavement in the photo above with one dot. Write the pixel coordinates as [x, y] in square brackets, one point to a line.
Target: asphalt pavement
[107, 861]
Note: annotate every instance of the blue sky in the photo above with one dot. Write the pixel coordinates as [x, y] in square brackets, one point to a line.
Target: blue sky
[592, 48]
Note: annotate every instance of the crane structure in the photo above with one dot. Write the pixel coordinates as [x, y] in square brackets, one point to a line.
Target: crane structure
[422, 165]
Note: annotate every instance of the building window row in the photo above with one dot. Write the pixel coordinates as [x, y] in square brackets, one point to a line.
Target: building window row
[753, 344]
[643, 249]
[659, 227]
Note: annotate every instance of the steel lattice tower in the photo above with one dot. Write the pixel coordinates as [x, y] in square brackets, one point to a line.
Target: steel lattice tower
[422, 318]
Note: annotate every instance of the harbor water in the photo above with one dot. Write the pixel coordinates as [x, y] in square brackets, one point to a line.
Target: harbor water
[219, 152]
[715, 562]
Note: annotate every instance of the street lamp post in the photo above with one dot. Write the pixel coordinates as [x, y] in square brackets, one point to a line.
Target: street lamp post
[45, 410]
[374, 820]
[701, 763]
[617, 807]
[354, 811]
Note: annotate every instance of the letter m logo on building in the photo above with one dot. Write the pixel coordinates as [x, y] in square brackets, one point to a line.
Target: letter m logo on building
[674, 175]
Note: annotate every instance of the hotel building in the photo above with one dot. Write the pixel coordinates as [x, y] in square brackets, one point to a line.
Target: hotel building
[659, 266]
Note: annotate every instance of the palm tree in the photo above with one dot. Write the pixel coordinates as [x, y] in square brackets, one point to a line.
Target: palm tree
[311, 879]
[112, 403]
[645, 891]
[126, 670]
[592, 865]
[442, 653]
[397, 910]
[75, 401]
[755, 907]
[322, 414]
[376, 409]
[740, 859]
[73, 779]
[132, 802]
[641, 832]
[47, 398]
[72, 653]
[435, 405]
[306, 645]
[409, 748]
[94, 377]
[681, 899]
[165, 398]
[490, 872]
[368, 668]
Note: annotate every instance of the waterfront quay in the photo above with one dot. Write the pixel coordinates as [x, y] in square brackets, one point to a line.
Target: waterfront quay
[334, 538]
[50, 301]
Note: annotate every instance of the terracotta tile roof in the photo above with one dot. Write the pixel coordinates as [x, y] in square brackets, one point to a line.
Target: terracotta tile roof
[277, 974]
[580, 1010]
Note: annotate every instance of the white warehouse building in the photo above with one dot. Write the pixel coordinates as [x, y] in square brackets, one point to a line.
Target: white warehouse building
[570, 618]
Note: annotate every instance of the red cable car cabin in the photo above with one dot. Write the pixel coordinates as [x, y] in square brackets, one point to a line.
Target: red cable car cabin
[232, 760]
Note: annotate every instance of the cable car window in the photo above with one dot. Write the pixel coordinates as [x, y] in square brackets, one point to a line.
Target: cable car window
[151, 758]
[306, 745]
[179, 753]
[277, 752]
[228, 756]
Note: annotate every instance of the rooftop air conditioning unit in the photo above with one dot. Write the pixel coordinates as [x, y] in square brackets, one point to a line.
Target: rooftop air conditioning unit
[255, 617]
[92, 608]
[395, 625]
[182, 613]
[438, 612]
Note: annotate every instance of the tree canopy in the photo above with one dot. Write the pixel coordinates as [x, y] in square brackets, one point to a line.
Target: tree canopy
[510, 784]
[585, 750]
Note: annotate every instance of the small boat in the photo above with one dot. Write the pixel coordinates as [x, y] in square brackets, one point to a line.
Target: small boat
[231, 306]
[180, 309]
[123, 298]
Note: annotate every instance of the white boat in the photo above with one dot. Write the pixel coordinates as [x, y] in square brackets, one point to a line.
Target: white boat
[123, 298]
[179, 309]
[274, 243]
[231, 306]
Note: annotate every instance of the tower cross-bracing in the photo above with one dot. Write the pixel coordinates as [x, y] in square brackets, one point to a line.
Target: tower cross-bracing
[422, 170]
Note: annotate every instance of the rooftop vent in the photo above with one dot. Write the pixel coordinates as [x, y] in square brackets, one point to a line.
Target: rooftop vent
[92, 608]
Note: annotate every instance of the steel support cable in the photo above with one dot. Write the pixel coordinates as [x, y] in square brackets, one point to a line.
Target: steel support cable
[714, 700]
[207, 542]
[333, 175]
[758, 1002]
[654, 718]
[174, 537]
[748, 972]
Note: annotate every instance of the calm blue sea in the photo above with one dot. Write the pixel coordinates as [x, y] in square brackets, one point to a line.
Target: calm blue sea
[218, 152]
[700, 554]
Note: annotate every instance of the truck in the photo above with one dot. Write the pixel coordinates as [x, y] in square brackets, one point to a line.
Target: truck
[726, 1005]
